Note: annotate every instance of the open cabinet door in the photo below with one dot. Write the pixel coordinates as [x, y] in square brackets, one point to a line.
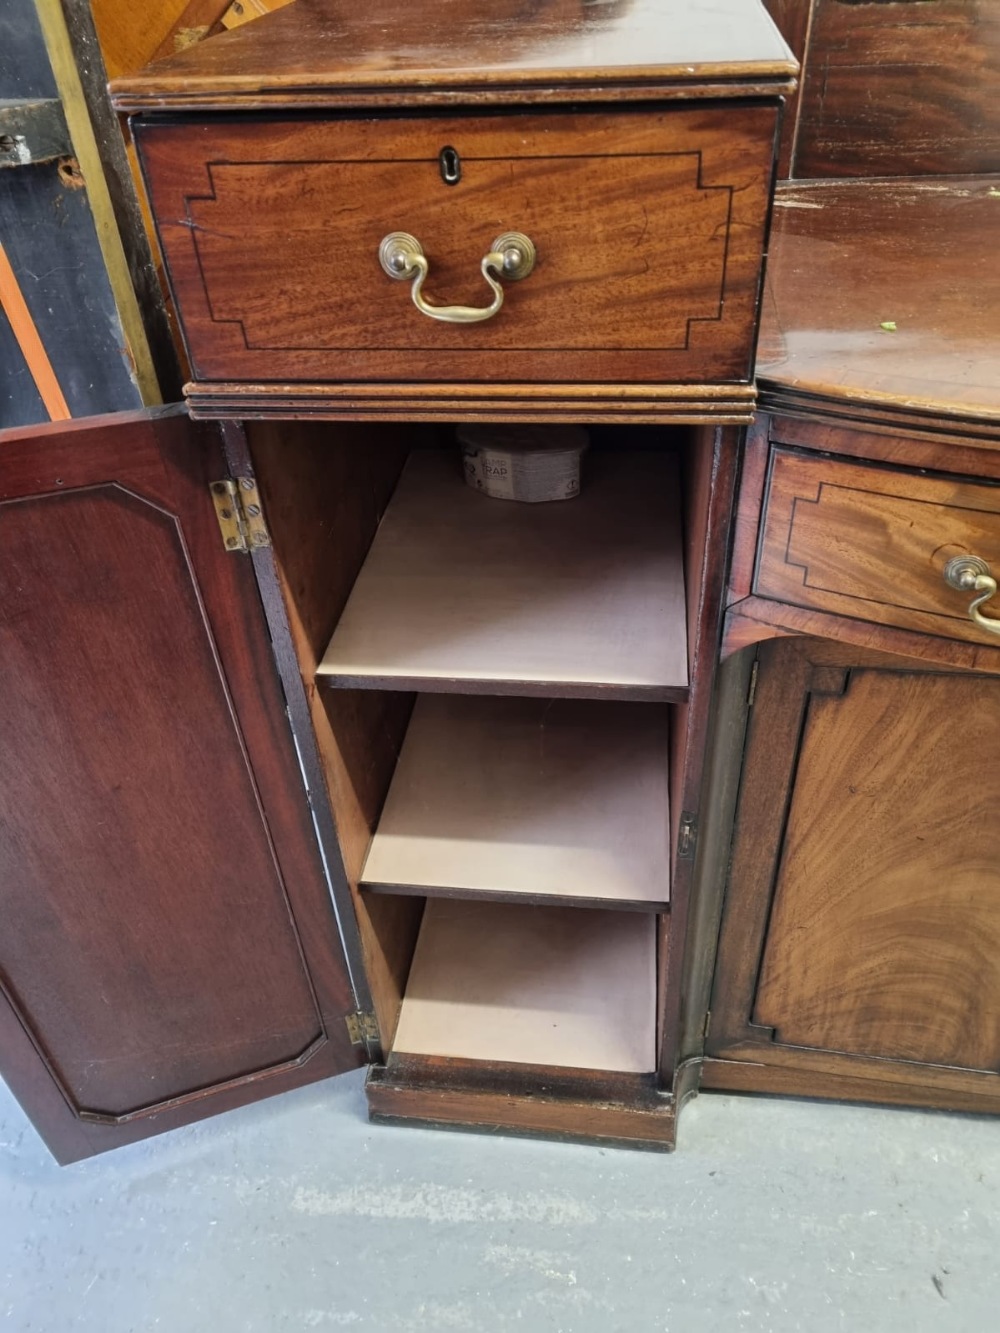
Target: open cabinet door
[167, 944]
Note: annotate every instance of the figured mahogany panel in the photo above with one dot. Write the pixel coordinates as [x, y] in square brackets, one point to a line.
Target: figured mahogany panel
[862, 930]
[884, 937]
[901, 89]
[872, 542]
[649, 229]
[167, 939]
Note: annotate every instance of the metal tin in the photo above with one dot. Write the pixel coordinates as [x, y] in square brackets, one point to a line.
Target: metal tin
[533, 464]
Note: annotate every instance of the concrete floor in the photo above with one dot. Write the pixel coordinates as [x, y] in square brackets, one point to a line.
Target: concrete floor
[296, 1214]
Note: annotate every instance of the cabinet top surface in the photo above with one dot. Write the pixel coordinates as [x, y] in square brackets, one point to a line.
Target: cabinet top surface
[333, 52]
[886, 293]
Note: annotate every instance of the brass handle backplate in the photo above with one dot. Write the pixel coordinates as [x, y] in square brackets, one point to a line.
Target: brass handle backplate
[402, 257]
[968, 573]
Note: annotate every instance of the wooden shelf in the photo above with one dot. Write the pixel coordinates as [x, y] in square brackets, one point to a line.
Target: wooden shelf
[548, 799]
[532, 985]
[462, 593]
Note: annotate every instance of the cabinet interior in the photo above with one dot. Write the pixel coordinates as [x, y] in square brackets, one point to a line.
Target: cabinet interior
[554, 897]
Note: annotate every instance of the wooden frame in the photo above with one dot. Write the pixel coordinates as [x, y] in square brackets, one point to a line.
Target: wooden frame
[742, 1051]
[317, 553]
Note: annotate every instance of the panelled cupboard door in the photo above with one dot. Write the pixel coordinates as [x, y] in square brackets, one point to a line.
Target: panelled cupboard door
[861, 932]
[167, 947]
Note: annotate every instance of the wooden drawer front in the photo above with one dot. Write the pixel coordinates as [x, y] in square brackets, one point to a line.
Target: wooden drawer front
[872, 542]
[648, 225]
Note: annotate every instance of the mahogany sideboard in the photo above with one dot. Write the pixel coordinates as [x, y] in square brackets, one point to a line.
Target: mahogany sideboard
[860, 930]
[319, 759]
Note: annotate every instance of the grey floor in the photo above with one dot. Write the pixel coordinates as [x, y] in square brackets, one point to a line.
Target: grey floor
[296, 1214]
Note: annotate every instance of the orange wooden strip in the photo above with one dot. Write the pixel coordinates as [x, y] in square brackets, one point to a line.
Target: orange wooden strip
[13, 303]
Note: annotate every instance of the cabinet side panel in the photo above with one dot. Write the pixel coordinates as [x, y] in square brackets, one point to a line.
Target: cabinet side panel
[709, 473]
[325, 488]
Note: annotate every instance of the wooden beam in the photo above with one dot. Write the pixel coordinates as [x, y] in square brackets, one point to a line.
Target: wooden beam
[71, 93]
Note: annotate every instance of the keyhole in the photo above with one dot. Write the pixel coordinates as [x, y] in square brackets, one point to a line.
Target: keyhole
[451, 166]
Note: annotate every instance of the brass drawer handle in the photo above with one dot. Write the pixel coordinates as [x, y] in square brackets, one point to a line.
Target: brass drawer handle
[968, 573]
[402, 257]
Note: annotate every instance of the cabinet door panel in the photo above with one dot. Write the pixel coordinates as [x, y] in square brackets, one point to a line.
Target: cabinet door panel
[163, 933]
[884, 936]
[863, 911]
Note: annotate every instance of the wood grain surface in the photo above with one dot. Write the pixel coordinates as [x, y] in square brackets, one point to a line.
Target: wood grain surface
[408, 403]
[324, 491]
[614, 1110]
[465, 593]
[792, 18]
[814, 1074]
[529, 798]
[885, 294]
[875, 451]
[902, 89]
[885, 931]
[873, 542]
[168, 944]
[328, 53]
[649, 229]
[709, 471]
[859, 932]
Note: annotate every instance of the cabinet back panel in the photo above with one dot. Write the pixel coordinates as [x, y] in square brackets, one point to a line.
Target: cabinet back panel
[891, 89]
[169, 962]
[903, 89]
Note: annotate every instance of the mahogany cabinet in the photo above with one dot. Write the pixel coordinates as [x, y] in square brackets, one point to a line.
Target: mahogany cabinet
[576, 201]
[508, 849]
[855, 868]
[857, 956]
[505, 709]
[328, 757]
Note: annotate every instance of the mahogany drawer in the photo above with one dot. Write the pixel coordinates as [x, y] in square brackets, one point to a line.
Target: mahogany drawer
[648, 225]
[872, 542]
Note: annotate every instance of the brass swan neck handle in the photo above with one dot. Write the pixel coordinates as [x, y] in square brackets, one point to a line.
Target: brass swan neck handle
[970, 573]
[512, 256]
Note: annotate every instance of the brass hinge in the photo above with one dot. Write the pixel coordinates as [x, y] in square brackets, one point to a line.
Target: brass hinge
[752, 691]
[362, 1029]
[241, 518]
[687, 838]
